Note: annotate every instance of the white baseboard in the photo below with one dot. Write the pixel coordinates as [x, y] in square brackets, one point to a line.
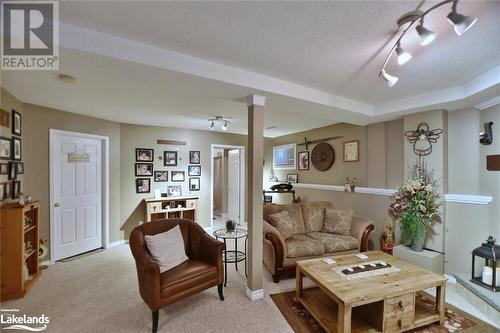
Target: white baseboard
[46, 263]
[120, 242]
[255, 295]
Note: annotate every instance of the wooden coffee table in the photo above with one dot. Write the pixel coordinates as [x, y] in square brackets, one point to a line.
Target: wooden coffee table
[383, 303]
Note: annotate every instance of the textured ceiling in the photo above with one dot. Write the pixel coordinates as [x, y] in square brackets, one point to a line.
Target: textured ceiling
[333, 46]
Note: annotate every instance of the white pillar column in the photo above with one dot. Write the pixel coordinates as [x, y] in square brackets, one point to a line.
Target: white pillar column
[255, 160]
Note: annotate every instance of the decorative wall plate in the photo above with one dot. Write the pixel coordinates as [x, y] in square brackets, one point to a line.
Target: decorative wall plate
[323, 156]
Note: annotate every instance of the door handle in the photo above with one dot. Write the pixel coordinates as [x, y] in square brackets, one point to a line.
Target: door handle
[57, 204]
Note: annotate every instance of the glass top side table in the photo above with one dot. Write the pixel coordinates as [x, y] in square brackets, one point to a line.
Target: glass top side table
[232, 256]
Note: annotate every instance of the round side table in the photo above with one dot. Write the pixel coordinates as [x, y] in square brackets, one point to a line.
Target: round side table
[232, 256]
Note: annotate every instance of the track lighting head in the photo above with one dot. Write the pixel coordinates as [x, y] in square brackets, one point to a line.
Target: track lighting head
[425, 36]
[224, 127]
[211, 125]
[403, 56]
[391, 80]
[460, 22]
[219, 120]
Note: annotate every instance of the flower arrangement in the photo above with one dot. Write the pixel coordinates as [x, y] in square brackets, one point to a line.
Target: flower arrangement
[416, 205]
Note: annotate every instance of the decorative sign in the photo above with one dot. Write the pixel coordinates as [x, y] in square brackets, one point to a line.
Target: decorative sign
[351, 151]
[76, 157]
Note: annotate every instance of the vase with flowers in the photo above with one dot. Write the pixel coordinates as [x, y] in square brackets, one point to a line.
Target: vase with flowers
[416, 205]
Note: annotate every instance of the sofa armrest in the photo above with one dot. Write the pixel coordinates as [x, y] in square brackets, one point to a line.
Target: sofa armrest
[274, 236]
[361, 228]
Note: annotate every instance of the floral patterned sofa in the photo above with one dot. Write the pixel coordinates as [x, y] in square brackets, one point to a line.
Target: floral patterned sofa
[310, 230]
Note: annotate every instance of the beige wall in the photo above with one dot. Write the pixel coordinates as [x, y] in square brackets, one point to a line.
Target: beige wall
[37, 123]
[136, 136]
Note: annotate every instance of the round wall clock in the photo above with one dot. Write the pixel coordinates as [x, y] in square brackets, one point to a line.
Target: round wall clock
[323, 156]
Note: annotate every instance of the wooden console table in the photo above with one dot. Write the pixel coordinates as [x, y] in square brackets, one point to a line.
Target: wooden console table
[171, 207]
[383, 303]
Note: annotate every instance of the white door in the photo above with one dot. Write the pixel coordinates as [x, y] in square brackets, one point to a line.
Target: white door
[233, 185]
[76, 195]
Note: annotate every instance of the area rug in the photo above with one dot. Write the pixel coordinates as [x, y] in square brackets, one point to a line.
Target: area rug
[456, 320]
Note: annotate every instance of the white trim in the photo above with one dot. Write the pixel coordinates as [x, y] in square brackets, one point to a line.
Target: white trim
[254, 295]
[46, 263]
[488, 103]
[104, 179]
[242, 180]
[256, 100]
[468, 199]
[117, 243]
[337, 188]
[451, 279]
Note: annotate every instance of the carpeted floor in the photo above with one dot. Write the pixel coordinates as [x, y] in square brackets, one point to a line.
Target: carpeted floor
[99, 293]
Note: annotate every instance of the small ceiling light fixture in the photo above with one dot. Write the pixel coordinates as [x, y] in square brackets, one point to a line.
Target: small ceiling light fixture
[403, 56]
[219, 119]
[425, 36]
[461, 24]
[391, 79]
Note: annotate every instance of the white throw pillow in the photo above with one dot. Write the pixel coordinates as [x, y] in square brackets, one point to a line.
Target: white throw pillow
[167, 248]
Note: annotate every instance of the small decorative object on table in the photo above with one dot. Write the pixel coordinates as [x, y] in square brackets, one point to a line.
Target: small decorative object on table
[416, 206]
[230, 225]
[490, 252]
[347, 185]
[354, 183]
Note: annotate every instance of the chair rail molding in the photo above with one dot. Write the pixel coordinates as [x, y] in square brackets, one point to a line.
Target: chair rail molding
[468, 199]
[450, 197]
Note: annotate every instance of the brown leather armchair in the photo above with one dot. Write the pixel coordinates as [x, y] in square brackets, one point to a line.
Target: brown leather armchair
[201, 271]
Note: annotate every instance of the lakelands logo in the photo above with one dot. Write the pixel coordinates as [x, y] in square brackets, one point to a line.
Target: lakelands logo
[10, 319]
[30, 35]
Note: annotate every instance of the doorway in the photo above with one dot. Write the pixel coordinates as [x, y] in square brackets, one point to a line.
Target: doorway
[227, 185]
[79, 193]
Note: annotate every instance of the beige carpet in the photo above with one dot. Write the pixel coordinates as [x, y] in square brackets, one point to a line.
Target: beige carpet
[99, 293]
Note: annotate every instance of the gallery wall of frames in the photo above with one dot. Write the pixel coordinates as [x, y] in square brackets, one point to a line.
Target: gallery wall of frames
[11, 154]
[180, 180]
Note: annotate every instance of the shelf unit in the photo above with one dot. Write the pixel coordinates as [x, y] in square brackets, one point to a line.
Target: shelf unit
[18, 226]
[168, 208]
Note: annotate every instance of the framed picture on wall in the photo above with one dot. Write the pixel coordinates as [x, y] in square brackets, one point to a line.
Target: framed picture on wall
[194, 184]
[4, 119]
[351, 151]
[20, 168]
[292, 178]
[303, 160]
[178, 176]
[194, 157]
[16, 123]
[170, 158]
[12, 170]
[4, 169]
[142, 185]
[194, 170]
[5, 148]
[17, 154]
[161, 176]
[6, 190]
[143, 169]
[2, 191]
[16, 188]
[174, 191]
[144, 155]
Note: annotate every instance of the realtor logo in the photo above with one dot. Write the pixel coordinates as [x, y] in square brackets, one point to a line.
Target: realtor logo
[30, 35]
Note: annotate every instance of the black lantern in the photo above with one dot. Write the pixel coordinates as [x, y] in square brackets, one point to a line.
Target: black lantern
[491, 254]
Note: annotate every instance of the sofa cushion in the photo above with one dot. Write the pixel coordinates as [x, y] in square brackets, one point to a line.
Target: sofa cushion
[189, 274]
[282, 221]
[295, 212]
[337, 221]
[334, 242]
[314, 214]
[302, 245]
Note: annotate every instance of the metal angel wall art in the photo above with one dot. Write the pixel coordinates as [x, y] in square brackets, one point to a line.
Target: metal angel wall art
[423, 138]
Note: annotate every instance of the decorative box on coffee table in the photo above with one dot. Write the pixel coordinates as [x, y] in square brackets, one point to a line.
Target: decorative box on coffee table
[383, 298]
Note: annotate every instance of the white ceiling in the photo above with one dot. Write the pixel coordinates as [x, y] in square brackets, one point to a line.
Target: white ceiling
[316, 61]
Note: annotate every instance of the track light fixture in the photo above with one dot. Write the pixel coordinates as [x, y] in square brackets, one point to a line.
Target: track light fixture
[461, 24]
[219, 119]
